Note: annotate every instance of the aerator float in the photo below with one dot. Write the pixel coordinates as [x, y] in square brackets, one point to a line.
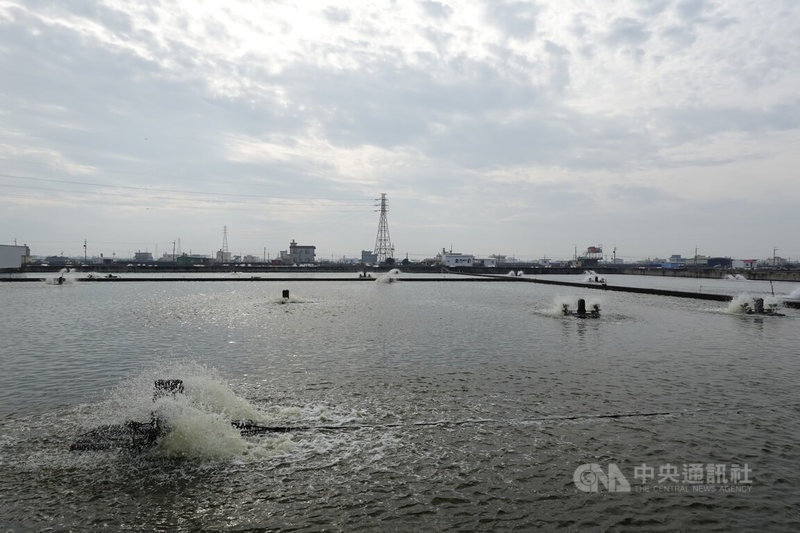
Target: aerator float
[581, 311]
[137, 436]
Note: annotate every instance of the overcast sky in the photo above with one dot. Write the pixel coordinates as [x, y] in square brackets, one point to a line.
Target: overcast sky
[519, 128]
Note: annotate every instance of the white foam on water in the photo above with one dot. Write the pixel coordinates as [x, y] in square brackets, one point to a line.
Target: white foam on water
[289, 300]
[590, 276]
[64, 281]
[195, 433]
[556, 307]
[741, 302]
[215, 397]
[197, 422]
[737, 304]
[389, 277]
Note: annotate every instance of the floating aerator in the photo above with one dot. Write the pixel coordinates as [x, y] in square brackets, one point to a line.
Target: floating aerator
[759, 309]
[581, 312]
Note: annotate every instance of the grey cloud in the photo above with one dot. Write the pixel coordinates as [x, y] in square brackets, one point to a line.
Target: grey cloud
[148, 122]
[515, 18]
[680, 36]
[437, 9]
[335, 14]
[652, 8]
[639, 195]
[627, 32]
[559, 58]
[691, 10]
[696, 123]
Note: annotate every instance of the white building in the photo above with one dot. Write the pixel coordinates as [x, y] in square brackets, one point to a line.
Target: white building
[744, 263]
[457, 260]
[13, 256]
[299, 254]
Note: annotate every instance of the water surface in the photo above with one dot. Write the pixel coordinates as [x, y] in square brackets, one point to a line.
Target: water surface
[470, 406]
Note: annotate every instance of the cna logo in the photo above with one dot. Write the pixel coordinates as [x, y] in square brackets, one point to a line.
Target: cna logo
[589, 477]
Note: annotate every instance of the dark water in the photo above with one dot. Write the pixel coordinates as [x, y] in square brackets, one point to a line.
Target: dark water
[469, 406]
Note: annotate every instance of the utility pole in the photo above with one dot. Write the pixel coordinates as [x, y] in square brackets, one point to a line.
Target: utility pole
[84, 252]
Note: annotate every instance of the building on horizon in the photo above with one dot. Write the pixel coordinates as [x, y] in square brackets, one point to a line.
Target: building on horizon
[298, 254]
[368, 257]
[223, 257]
[193, 259]
[13, 256]
[455, 259]
[745, 263]
[488, 262]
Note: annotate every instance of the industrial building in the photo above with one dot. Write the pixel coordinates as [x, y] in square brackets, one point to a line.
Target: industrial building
[486, 262]
[13, 257]
[368, 257]
[450, 259]
[298, 254]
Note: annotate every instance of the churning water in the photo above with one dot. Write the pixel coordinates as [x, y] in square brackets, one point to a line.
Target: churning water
[416, 406]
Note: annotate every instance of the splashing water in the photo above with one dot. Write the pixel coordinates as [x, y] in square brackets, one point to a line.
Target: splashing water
[198, 421]
[389, 277]
[61, 279]
[289, 300]
[739, 303]
[735, 277]
[557, 306]
[795, 294]
[590, 276]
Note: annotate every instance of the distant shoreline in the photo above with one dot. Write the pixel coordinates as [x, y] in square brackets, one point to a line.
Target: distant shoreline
[527, 269]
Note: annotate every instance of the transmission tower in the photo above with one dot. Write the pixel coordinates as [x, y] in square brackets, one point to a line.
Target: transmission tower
[224, 239]
[383, 244]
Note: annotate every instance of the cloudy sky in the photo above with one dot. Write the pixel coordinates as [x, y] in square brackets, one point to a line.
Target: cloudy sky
[522, 128]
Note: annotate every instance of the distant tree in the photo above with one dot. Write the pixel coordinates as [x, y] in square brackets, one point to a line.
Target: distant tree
[406, 261]
[390, 261]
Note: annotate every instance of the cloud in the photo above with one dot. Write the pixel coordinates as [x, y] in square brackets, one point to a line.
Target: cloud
[626, 31]
[474, 117]
[516, 19]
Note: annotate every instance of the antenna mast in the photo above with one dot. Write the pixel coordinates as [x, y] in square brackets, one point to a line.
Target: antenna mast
[383, 244]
